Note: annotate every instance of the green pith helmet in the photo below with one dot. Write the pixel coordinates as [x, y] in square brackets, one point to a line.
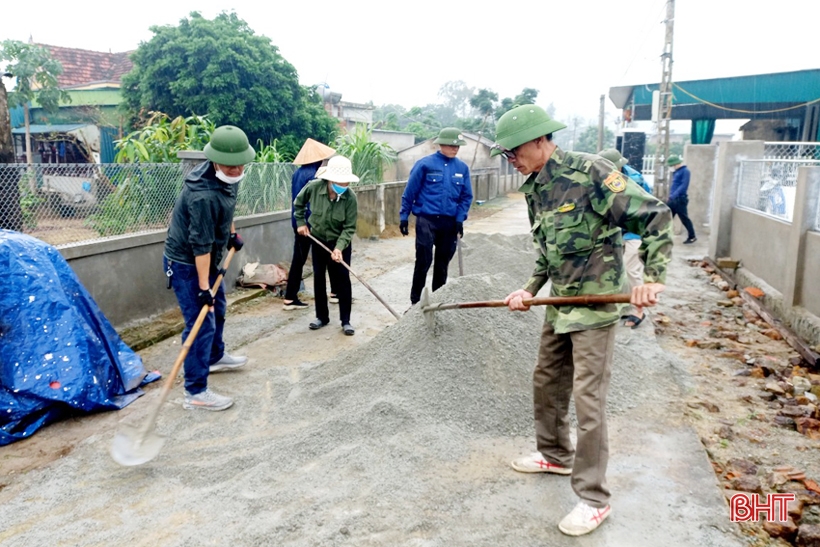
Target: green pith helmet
[450, 136]
[673, 160]
[229, 146]
[523, 124]
[614, 156]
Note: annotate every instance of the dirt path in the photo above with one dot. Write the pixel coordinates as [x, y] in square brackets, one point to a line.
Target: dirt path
[395, 436]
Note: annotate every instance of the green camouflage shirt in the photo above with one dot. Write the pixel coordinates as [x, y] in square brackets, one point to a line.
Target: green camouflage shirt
[578, 204]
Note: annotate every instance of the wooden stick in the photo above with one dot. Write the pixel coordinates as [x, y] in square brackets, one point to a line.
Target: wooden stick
[362, 281]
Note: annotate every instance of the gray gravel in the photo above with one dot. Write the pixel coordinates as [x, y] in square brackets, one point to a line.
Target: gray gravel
[403, 441]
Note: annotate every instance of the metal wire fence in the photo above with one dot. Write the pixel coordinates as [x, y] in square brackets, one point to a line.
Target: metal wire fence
[791, 150]
[72, 203]
[769, 186]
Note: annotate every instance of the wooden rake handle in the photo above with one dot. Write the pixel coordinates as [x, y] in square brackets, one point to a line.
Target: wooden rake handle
[186, 346]
[362, 281]
[586, 300]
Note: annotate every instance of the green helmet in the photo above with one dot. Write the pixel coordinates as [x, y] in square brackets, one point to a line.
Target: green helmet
[673, 160]
[614, 156]
[450, 136]
[523, 124]
[229, 146]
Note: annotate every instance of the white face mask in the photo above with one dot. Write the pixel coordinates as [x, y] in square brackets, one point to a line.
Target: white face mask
[226, 179]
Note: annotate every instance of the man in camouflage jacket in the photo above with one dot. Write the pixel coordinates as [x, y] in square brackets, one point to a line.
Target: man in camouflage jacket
[578, 205]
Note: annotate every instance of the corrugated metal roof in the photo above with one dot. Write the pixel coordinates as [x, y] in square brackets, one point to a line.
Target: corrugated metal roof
[39, 129]
[739, 96]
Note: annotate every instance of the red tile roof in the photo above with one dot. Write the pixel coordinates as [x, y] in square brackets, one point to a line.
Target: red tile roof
[81, 66]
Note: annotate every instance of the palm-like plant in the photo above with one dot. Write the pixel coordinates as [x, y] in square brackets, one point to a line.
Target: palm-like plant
[161, 138]
[369, 158]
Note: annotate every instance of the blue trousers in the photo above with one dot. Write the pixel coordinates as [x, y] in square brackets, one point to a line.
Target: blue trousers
[208, 347]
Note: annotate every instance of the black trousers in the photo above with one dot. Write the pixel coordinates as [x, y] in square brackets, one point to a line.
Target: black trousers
[339, 279]
[301, 251]
[433, 231]
[679, 207]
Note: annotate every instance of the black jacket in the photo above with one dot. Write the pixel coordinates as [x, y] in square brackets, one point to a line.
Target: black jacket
[201, 222]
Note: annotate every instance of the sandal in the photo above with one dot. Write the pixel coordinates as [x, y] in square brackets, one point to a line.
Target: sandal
[635, 320]
[317, 324]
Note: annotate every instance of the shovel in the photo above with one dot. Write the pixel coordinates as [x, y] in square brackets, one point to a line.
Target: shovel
[586, 300]
[136, 446]
[363, 282]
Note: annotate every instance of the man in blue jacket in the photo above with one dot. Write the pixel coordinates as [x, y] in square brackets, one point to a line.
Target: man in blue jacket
[678, 198]
[439, 194]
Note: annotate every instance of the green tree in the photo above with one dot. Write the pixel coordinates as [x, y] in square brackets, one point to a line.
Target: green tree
[456, 96]
[221, 68]
[588, 140]
[369, 158]
[161, 138]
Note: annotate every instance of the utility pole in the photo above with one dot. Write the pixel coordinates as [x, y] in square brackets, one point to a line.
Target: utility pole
[601, 124]
[665, 107]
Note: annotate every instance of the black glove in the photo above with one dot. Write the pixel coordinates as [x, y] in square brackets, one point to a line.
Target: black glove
[404, 228]
[235, 242]
[460, 229]
[205, 298]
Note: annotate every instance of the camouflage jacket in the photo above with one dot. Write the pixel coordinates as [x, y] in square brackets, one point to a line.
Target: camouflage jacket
[578, 204]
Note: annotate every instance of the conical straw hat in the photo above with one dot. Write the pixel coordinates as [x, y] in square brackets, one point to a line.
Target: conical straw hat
[313, 151]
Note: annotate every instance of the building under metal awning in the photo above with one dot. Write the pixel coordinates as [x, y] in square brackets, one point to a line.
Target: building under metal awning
[792, 96]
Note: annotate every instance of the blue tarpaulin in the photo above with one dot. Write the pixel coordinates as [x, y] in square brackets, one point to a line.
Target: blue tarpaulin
[59, 355]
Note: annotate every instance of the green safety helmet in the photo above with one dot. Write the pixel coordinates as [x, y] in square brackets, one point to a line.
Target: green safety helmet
[673, 160]
[614, 156]
[522, 124]
[229, 146]
[450, 136]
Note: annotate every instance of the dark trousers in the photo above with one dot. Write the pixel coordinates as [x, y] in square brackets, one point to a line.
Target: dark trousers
[301, 251]
[679, 207]
[339, 278]
[208, 347]
[439, 232]
[577, 364]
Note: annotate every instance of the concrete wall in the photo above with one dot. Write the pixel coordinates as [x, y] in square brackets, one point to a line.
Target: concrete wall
[398, 140]
[809, 295]
[725, 193]
[780, 257]
[765, 254]
[701, 159]
[125, 276]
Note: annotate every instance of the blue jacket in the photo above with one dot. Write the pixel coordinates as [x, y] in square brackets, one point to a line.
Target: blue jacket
[680, 183]
[635, 175]
[438, 185]
[301, 177]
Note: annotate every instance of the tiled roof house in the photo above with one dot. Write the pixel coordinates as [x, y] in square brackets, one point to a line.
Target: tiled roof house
[84, 69]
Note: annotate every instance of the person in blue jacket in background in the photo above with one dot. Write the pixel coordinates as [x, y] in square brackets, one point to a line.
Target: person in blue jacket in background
[310, 157]
[678, 195]
[439, 194]
[632, 242]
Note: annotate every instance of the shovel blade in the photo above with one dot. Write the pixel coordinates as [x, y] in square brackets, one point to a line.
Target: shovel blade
[132, 446]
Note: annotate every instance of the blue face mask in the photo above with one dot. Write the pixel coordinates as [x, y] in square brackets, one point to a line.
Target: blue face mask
[339, 189]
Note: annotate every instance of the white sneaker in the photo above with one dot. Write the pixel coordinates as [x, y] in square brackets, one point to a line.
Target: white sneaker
[333, 299]
[228, 362]
[583, 519]
[207, 400]
[536, 463]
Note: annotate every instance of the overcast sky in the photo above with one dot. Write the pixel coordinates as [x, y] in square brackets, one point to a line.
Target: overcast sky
[402, 52]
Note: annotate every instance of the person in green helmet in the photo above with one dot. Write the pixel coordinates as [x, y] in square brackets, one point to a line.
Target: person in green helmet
[201, 228]
[439, 193]
[578, 205]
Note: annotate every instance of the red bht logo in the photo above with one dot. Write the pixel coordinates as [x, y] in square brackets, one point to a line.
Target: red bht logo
[746, 507]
